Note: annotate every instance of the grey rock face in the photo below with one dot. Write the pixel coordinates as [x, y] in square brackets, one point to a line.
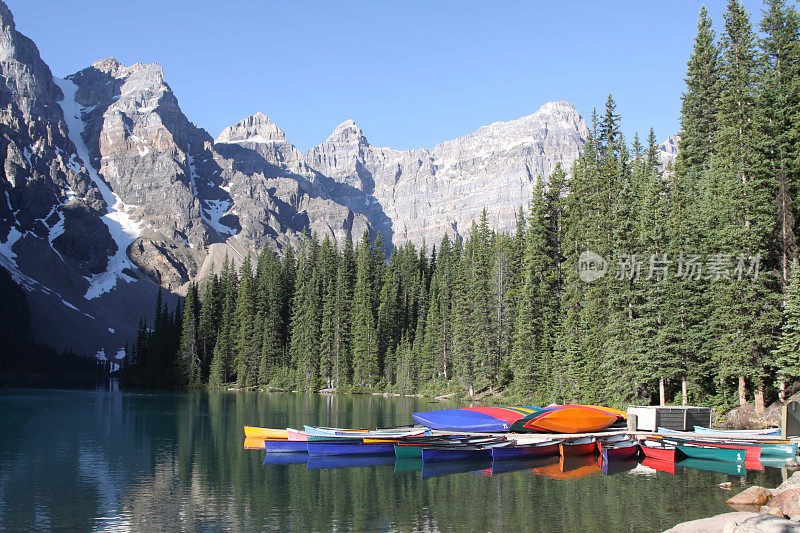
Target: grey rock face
[420, 194]
[26, 83]
[668, 150]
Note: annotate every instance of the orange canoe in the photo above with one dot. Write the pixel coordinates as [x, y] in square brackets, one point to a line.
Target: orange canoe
[266, 433]
[573, 419]
[576, 447]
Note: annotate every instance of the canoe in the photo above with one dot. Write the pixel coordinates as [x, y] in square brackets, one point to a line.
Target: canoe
[569, 419]
[285, 446]
[694, 451]
[523, 451]
[476, 419]
[521, 418]
[439, 454]
[576, 447]
[658, 451]
[265, 433]
[619, 450]
[313, 431]
[752, 452]
[611, 439]
[412, 447]
[297, 435]
[738, 432]
[319, 449]
[724, 467]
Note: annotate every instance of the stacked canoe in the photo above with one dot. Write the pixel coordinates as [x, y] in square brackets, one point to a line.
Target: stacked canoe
[417, 443]
[522, 419]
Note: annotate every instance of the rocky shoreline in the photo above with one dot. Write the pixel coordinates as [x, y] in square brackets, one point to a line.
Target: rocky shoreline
[761, 510]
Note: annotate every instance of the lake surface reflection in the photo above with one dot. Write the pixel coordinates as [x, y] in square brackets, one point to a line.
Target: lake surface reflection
[107, 460]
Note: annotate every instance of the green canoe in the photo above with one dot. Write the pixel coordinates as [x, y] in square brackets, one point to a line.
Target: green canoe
[717, 454]
[407, 452]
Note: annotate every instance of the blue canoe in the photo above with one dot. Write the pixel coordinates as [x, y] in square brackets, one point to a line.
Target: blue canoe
[319, 449]
[441, 454]
[478, 419]
[525, 451]
[285, 446]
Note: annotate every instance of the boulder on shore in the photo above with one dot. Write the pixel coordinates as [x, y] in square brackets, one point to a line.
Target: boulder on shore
[765, 523]
[752, 496]
[713, 524]
[788, 501]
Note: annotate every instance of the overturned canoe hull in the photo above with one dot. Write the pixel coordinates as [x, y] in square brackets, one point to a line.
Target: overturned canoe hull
[522, 418]
[568, 419]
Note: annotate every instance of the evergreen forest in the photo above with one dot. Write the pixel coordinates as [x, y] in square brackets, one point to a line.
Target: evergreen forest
[696, 297]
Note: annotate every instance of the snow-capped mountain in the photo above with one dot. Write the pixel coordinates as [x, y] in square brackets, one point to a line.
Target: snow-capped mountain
[108, 191]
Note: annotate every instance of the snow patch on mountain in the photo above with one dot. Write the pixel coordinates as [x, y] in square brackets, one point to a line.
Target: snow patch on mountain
[124, 230]
[210, 210]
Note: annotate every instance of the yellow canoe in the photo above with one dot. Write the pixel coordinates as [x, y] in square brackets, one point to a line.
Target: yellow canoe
[266, 433]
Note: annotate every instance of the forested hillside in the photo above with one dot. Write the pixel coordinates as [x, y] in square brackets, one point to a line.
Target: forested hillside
[625, 281]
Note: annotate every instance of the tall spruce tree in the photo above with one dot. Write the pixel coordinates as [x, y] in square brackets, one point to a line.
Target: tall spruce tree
[745, 310]
[364, 332]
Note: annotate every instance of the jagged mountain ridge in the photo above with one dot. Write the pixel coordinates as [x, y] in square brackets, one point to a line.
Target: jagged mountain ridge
[109, 191]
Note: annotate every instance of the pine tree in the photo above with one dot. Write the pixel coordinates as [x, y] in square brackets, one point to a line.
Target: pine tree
[208, 324]
[365, 335]
[189, 366]
[745, 309]
[779, 98]
[247, 350]
[345, 279]
[307, 318]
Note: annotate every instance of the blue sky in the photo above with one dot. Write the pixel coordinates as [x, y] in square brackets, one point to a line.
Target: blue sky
[410, 74]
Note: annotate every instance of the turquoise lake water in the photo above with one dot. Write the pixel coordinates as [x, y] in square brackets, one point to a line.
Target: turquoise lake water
[107, 460]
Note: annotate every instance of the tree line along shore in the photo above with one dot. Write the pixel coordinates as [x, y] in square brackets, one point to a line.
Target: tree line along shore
[626, 280]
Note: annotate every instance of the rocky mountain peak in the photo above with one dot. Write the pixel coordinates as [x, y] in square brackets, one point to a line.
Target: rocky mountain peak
[256, 128]
[109, 65]
[26, 82]
[348, 131]
[6, 18]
